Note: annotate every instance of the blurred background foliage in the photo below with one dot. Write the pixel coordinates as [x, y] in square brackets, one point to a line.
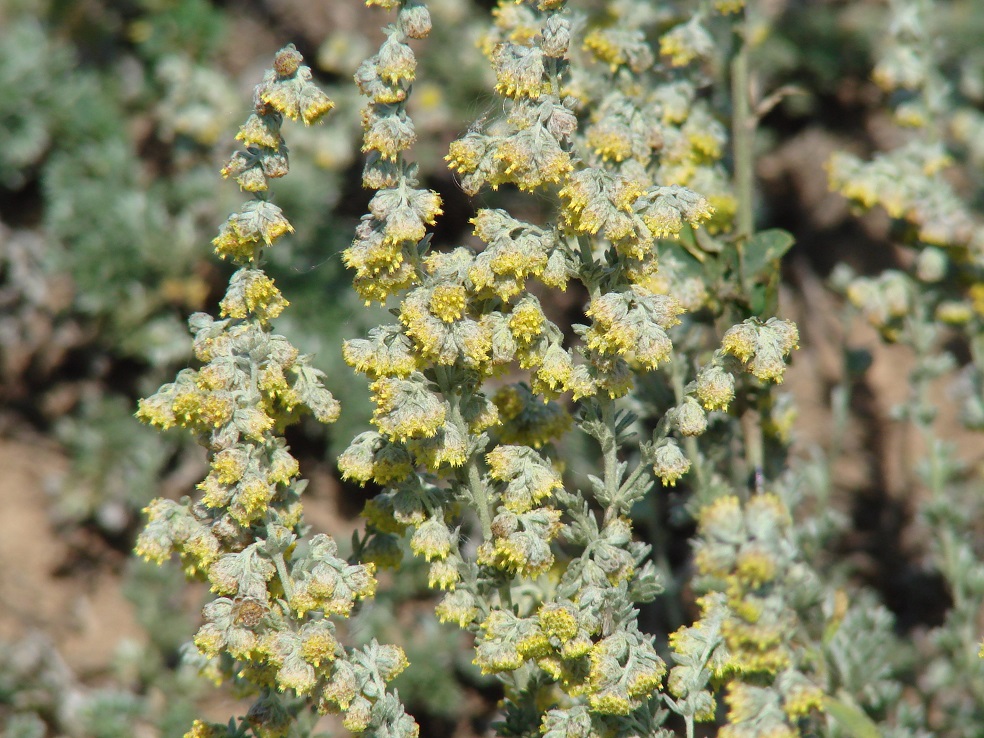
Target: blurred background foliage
[116, 116]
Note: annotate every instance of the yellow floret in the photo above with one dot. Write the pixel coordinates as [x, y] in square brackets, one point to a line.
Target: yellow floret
[448, 302]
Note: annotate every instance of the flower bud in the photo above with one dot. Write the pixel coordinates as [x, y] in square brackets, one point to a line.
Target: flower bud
[670, 463]
[287, 61]
[686, 42]
[443, 575]
[396, 61]
[415, 20]
[556, 36]
[689, 418]
[432, 540]
[741, 341]
[457, 607]
[715, 388]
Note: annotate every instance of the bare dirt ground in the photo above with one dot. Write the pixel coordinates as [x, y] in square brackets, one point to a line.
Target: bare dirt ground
[85, 616]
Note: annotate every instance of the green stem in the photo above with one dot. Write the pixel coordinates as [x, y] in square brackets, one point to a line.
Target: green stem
[743, 124]
[840, 396]
[480, 497]
[477, 489]
[751, 424]
[285, 581]
[609, 449]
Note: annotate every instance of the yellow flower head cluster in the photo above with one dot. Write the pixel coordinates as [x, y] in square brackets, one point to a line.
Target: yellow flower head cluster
[245, 481]
[665, 209]
[406, 408]
[388, 351]
[598, 201]
[404, 212]
[627, 129]
[515, 252]
[686, 42]
[624, 669]
[519, 70]
[398, 221]
[458, 607]
[527, 479]
[527, 321]
[447, 302]
[669, 462]
[528, 149]
[432, 540]
[715, 387]
[435, 318]
[532, 156]
[619, 46]
[762, 347]
[288, 89]
[252, 293]
[388, 133]
[258, 223]
[520, 543]
[743, 546]
[633, 324]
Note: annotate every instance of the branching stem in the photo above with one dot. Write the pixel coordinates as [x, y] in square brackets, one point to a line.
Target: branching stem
[743, 125]
[285, 581]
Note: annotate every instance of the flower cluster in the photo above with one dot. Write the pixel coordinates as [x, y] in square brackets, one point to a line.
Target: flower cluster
[762, 348]
[268, 625]
[457, 464]
[648, 122]
[390, 239]
[908, 183]
[748, 569]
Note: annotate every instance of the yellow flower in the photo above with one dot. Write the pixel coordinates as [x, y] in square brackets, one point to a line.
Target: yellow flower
[526, 320]
[318, 645]
[558, 620]
[447, 302]
[602, 45]
[610, 141]
[756, 566]
[443, 575]
[457, 607]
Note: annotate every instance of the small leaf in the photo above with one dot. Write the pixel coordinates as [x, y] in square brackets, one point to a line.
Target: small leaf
[759, 271]
[758, 298]
[851, 718]
[598, 488]
[761, 250]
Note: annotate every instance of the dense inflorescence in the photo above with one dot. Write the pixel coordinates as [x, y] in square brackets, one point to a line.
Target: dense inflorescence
[472, 385]
[276, 586]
